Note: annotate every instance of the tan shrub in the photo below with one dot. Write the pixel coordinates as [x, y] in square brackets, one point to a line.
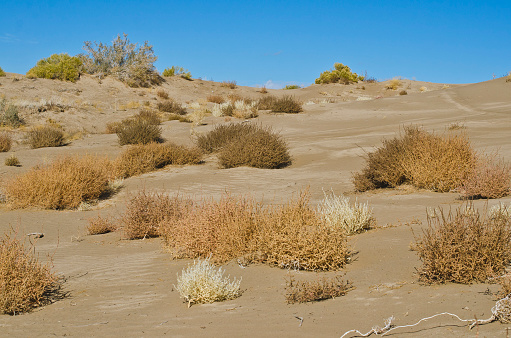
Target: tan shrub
[221, 229]
[147, 115]
[25, 283]
[12, 161]
[310, 291]
[262, 148]
[113, 127]
[266, 103]
[263, 90]
[172, 107]
[223, 134]
[100, 225]
[491, 178]
[463, 247]
[286, 104]
[62, 184]
[294, 236]
[145, 211]
[5, 142]
[425, 160]
[394, 84]
[45, 136]
[142, 158]
[215, 99]
[162, 94]
[138, 131]
[229, 84]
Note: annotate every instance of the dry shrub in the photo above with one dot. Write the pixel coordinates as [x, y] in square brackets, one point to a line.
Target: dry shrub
[262, 149]
[162, 94]
[12, 161]
[229, 84]
[145, 211]
[180, 118]
[172, 107]
[266, 103]
[62, 184]
[5, 142]
[463, 247]
[204, 283]
[223, 134]
[286, 104]
[394, 84]
[45, 136]
[263, 90]
[100, 225]
[439, 163]
[294, 236]
[215, 99]
[491, 178]
[113, 127]
[403, 92]
[222, 229]
[25, 283]
[142, 158]
[505, 283]
[138, 131]
[310, 291]
[149, 116]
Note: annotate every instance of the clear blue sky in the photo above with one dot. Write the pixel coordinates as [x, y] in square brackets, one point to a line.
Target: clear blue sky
[274, 42]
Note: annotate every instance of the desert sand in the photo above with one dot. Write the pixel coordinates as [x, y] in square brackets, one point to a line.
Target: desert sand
[126, 288]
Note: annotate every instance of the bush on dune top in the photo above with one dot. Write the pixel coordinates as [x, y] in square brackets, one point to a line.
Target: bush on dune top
[58, 66]
[340, 74]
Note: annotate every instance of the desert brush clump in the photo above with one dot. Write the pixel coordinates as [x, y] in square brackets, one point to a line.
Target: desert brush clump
[491, 178]
[316, 290]
[245, 144]
[177, 71]
[292, 87]
[215, 99]
[128, 62]
[463, 247]
[162, 94]
[142, 158]
[12, 161]
[219, 229]
[100, 225]
[2, 72]
[45, 136]
[138, 131]
[339, 212]
[266, 102]
[340, 74]
[149, 116]
[425, 160]
[202, 282]
[286, 104]
[393, 84]
[500, 211]
[25, 283]
[229, 84]
[9, 114]
[58, 66]
[5, 142]
[169, 106]
[62, 184]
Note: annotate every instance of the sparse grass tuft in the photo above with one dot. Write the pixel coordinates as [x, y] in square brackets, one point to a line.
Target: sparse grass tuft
[463, 247]
[313, 291]
[202, 282]
[25, 283]
[62, 184]
[425, 160]
[338, 212]
[229, 84]
[286, 104]
[5, 142]
[172, 107]
[45, 136]
[12, 161]
[138, 131]
[491, 178]
[100, 225]
[142, 158]
[162, 94]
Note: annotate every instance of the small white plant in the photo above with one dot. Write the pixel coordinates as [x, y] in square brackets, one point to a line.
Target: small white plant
[338, 212]
[218, 109]
[202, 282]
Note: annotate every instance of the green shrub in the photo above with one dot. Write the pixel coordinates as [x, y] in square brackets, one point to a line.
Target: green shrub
[292, 87]
[128, 62]
[45, 136]
[174, 70]
[341, 74]
[9, 114]
[57, 66]
[286, 104]
[138, 131]
[2, 73]
[262, 149]
[5, 142]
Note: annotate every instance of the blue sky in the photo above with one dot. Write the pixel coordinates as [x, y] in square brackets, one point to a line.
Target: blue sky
[274, 43]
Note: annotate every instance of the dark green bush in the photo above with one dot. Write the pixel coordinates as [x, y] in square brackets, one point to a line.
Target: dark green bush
[45, 136]
[138, 131]
[286, 104]
[340, 74]
[57, 66]
[124, 60]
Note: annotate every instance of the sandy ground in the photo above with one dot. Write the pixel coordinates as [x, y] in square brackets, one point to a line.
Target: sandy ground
[125, 288]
